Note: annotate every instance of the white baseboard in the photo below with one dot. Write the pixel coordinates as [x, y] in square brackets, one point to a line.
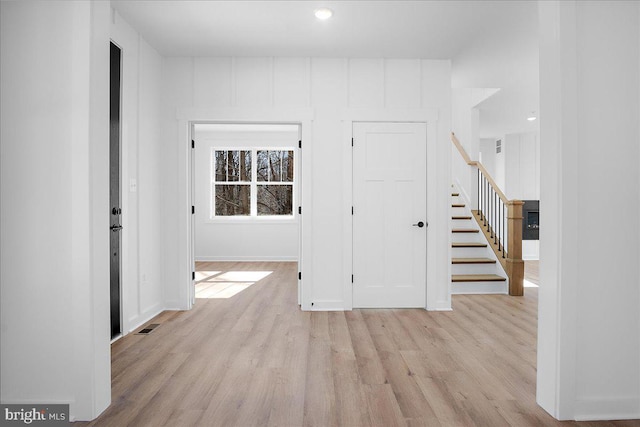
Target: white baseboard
[328, 305]
[139, 320]
[479, 288]
[607, 408]
[246, 259]
[174, 306]
[441, 306]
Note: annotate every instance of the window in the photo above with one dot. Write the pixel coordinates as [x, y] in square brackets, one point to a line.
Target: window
[252, 183]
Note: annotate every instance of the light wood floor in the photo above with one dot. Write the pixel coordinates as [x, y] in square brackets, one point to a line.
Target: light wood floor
[532, 271]
[255, 359]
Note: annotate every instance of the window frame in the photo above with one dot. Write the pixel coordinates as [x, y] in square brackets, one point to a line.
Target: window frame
[253, 185]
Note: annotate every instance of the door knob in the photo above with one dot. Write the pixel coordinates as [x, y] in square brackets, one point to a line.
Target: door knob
[419, 224]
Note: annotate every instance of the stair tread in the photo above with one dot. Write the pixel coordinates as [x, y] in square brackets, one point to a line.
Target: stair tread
[468, 245]
[458, 205]
[460, 217]
[477, 278]
[472, 261]
[465, 230]
[455, 194]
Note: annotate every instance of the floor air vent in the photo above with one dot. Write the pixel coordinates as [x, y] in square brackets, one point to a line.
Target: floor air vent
[148, 329]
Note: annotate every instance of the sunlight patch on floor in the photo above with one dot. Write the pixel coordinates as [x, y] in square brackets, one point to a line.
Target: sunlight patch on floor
[202, 275]
[528, 284]
[243, 276]
[227, 284]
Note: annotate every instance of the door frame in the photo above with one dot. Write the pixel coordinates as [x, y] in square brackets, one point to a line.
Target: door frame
[423, 126]
[121, 159]
[186, 117]
[430, 118]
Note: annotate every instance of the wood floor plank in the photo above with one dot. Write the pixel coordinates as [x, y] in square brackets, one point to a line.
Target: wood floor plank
[369, 366]
[321, 410]
[255, 359]
[383, 407]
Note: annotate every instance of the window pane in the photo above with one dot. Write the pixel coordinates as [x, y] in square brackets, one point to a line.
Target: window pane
[233, 166]
[275, 166]
[287, 166]
[232, 200]
[263, 166]
[220, 165]
[275, 200]
[245, 166]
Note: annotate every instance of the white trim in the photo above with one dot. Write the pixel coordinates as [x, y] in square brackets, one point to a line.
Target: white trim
[479, 288]
[186, 118]
[247, 258]
[253, 184]
[173, 305]
[442, 306]
[328, 305]
[351, 115]
[135, 322]
[401, 115]
[607, 408]
[246, 115]
[255, 220]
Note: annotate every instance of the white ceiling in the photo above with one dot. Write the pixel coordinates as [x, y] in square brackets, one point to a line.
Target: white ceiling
[391, 29]
[490, 43]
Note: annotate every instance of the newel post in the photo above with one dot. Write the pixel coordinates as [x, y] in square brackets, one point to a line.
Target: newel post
[515, 264]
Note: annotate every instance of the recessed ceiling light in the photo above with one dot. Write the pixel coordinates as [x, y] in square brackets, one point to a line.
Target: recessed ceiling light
[323, 13]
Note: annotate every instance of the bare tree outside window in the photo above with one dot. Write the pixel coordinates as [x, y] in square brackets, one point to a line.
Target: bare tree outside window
[270, 184]
[232, 166]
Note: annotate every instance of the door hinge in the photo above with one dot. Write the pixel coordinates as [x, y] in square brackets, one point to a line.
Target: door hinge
[300, 144]
[352, 142]
[193, 275]
[193, 210]
[299, 210]
[352, 278]
[351, 210]
[193, 144]
[299, 275]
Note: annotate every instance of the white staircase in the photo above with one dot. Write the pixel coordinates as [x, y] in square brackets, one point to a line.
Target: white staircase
[474, 268]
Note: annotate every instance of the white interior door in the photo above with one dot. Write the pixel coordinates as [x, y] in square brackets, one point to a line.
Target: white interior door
[389, 200]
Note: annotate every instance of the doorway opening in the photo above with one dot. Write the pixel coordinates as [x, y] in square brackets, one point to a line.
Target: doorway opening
[245, 203]
[115, 90]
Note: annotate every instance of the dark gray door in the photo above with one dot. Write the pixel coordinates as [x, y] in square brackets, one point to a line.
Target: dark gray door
[114, 197]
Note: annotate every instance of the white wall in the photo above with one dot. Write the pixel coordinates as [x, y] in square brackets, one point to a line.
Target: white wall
[488, 155]
[242, 239]
[589, 322]
[54, 204]
[142, 271]
[521, 162]
[330, 87]
[493, 60]
[522, 166]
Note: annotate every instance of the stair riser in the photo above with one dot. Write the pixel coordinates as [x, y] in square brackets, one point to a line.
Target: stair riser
[463, 223]
[468, 237]
[459, 212]
[471, 252]
[479, 288]
[475, 269]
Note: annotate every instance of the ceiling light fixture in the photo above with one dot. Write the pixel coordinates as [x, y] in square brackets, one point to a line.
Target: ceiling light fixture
[323, 13]
[532, 116]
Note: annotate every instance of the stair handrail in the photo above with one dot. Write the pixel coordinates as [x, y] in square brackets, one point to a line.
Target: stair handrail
[491, 217]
